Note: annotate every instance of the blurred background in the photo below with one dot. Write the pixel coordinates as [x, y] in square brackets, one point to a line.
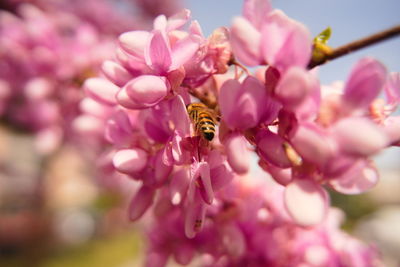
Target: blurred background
[57, 210]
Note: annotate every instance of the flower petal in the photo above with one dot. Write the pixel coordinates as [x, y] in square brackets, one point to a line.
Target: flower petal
[285, 42]
[271, 147]
[178, 20]
[183, 51]
[359, 136]
[134, 42]
[101, 90]
[220, 177]
[359, 178]
[392, 88]
[195, 215]
[256, 11]
[179, 185]
[184, 254]
[180, 116]
[130, 160]
[161, 170]
[294, 87]
[147, 90]
[141, 202]
[115, 72]
[227, 99]
[245, 41]
[313, 144]
[364, 83]
[158, 53]
[237, 153]
[392, 129]
[306, 202]
[206, 189]
[127, 102]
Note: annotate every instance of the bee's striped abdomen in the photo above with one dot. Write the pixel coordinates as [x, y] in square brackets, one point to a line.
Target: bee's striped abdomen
[203, 120]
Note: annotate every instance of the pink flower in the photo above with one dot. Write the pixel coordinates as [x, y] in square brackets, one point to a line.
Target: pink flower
[306, 202]
[295, 87]
[364, 84]
[285, 42]
[269, 36]
[244, 105]
[143, 92]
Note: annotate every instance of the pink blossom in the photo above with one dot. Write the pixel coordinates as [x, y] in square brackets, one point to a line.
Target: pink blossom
[244, 105]
[271, 37]
[364, 84]
[205, 199]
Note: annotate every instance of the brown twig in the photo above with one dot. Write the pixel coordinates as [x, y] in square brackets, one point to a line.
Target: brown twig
[356, 45]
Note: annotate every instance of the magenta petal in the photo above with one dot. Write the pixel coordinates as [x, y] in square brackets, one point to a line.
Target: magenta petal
[160, 23]
[281, 176]
[101, 90]
[90, 125]
[147, 90]
[206, 189]
[194, 219]
[364, 84]
[141, 202]
[256, 11]
[134, 42]
[178, 20]
[125, 101]
[161, 170]
[234, 240]
[359, 178]
[158, 54]
[130, 160]
[392, 88]
[359, 136]
[271, 147]
[285, 42]
[392, 129]
[119, 128]
[294, 87]
[167, 155]
[180, 116]
[228, 100]
[115, 72]
[245, 41]
[179, 154]
[220, 177]
[256, 90]
[94, 108]
[156, 259]
[195, 28]
[242, 105]
[237, 152]
[306, 202]
[247, 115]
[313, 144]
[183, 51]
[184, 254]
[179, 185]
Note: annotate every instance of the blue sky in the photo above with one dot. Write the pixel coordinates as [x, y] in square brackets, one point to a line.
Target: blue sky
[349, 20]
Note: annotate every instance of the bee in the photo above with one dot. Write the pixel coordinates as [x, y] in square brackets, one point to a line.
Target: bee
[203, 119]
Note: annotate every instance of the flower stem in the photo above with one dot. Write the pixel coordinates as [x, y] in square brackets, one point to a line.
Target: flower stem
[356, 45]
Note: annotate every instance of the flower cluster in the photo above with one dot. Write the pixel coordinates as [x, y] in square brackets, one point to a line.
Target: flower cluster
[47, 50]
[248, 226]
[302, 132]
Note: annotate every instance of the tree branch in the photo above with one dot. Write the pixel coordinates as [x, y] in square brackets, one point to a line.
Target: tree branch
[356, 45]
